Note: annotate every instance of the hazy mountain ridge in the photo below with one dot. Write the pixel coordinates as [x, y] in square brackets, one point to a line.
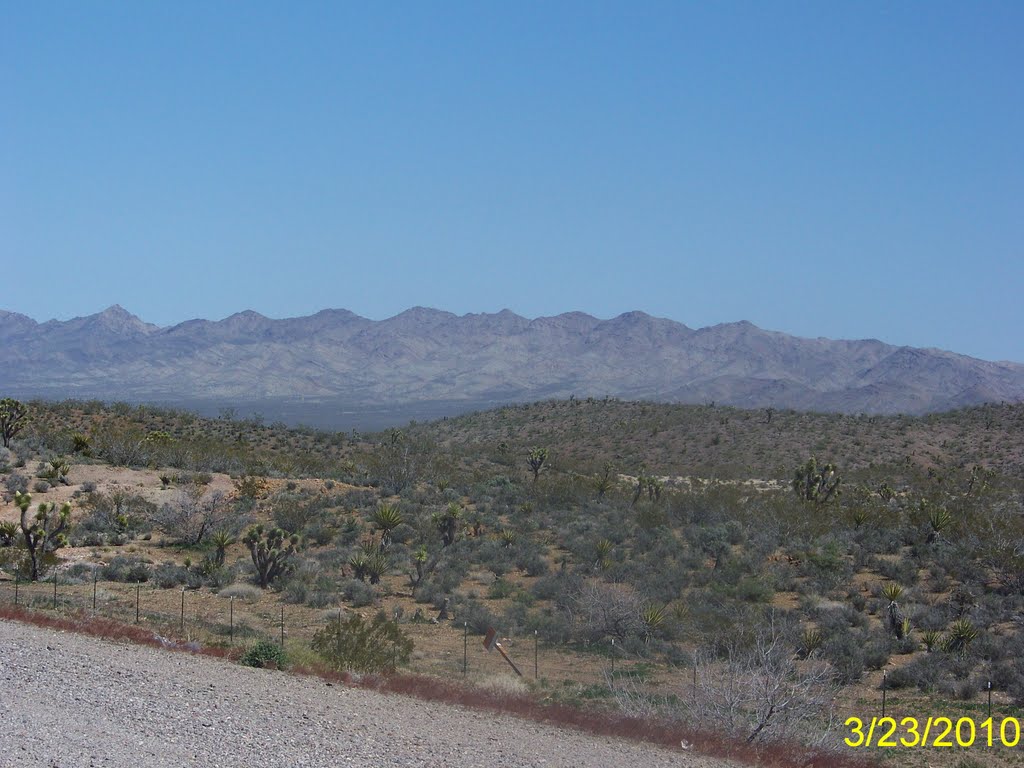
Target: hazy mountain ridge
[424, 355]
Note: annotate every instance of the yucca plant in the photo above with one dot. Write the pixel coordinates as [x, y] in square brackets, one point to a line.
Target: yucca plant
[386, 518]
[653, 618]
[939, 519]
[8, 533]
[221, 540]
[376, 566]
[931, 639]
[603, 548]
[961, 634]
[892, 591]
[860, 517]
[905, 628]
[359, 563]
[508, 538]
[810, 641]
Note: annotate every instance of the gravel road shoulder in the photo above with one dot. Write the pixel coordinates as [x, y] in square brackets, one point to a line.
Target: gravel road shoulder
[69, 700]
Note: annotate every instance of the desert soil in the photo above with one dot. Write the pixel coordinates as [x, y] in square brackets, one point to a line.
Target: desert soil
[71, 700]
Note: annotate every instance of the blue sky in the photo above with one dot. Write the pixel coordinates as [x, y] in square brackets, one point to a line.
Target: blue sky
[846, 170]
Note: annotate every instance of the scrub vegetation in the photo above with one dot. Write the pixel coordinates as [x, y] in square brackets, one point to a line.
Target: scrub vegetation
[752, 573]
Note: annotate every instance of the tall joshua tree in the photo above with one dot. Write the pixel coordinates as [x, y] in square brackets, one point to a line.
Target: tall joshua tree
[44, 531]
[13, 416]
[812, 482]
[536, 460]
[272, 552]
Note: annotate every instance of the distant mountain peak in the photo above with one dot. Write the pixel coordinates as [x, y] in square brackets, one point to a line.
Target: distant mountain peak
[429, 355]
[118, 320]
[247, 314]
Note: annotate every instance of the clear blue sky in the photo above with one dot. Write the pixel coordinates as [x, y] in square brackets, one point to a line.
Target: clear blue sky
[846, 170]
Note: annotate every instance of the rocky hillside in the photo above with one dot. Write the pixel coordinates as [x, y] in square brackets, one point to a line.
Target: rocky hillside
[425, 355]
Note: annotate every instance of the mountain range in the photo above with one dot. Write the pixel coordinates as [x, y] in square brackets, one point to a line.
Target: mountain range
[426, 355]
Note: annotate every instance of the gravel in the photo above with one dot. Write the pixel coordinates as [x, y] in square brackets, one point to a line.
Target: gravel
[72, 701]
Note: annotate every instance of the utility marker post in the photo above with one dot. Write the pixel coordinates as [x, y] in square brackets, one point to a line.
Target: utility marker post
[491, 642]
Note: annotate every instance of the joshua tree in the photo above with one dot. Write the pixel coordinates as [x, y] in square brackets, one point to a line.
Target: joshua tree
[423, 565]
[648, 484]
[814, 483]
[56, 470]
[897, 621]
[536, 459]
[271, 551]
[13, 416]
[447, 523]
[604, 481]
[45, 531]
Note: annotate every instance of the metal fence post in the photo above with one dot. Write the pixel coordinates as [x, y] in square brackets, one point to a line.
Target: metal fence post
[536, 642]
[883, 694]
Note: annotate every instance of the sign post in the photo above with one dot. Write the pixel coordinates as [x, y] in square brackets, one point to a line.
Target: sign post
[491, 642]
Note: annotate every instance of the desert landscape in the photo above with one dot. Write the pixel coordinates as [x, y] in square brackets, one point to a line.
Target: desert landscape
[529, 384]
[637, 560]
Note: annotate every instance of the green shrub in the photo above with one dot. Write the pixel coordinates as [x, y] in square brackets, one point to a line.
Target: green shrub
[265, 654]
[126, 568]
[245, 592]
[355, 644]
[358, 593]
